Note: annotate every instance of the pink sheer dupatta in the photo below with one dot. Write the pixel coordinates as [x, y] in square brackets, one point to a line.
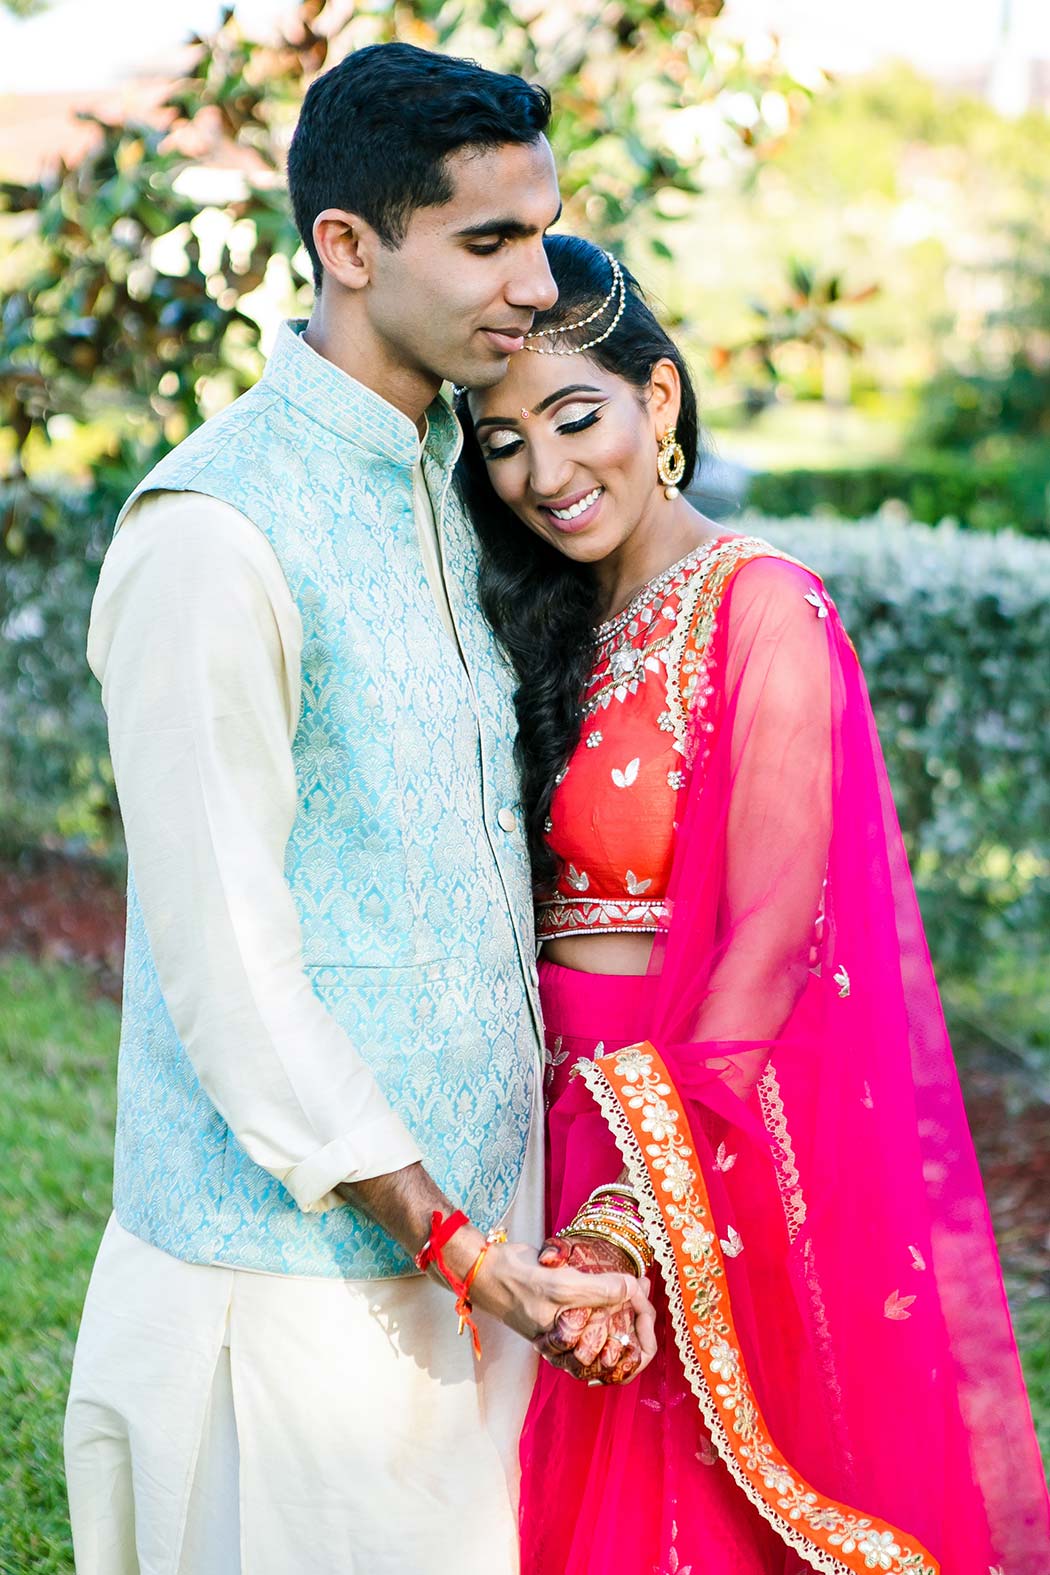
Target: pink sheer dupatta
[797, 1129]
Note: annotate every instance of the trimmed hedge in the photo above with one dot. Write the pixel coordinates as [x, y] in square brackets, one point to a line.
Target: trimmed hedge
[1012, 492]
[56, 785]
[953, 630]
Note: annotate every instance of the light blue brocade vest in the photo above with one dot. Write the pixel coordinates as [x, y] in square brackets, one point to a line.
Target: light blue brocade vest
[413, 898]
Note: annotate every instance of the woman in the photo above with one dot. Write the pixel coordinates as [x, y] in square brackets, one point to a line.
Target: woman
[720, 878]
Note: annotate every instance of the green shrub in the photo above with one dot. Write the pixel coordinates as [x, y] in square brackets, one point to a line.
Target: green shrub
[958, 409]
[1012, 491]
[56, 785]
[953, 630]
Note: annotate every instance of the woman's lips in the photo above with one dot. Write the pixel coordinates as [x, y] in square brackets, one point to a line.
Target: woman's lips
[578, 521]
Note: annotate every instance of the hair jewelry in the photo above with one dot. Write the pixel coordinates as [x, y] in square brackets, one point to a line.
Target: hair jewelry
[617, 293]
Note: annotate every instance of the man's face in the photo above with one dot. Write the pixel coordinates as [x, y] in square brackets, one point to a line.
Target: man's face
[455, 299]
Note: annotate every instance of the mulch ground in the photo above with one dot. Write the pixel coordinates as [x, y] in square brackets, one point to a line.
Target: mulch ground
[62, 909]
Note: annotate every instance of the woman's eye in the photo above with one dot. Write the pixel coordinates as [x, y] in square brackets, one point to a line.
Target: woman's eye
[575, 417]
[581, 423]
[500, 450]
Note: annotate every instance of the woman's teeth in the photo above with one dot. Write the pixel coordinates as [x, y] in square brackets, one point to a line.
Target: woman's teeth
[577, 508]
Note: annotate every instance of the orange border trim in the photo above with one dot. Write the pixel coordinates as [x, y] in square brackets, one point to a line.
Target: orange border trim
[637, 1098]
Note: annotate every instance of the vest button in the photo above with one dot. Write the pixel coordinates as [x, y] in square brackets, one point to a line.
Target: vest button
[507, 820]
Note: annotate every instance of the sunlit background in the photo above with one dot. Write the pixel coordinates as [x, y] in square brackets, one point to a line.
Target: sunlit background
[842, 211]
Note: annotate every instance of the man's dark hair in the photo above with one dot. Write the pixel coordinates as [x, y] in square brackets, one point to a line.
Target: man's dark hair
[376, 130]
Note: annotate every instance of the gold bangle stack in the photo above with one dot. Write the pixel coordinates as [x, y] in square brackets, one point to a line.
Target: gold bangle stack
[612, 1214]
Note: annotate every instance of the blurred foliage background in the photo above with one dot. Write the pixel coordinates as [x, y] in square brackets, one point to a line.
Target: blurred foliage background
[859, 271]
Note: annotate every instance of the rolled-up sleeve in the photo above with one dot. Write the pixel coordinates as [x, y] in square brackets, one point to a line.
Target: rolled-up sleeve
[196, 641]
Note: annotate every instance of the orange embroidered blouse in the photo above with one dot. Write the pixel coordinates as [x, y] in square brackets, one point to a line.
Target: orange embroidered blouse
[612, 815]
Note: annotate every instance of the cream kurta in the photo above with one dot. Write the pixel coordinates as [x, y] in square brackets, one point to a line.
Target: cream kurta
[222, 1421]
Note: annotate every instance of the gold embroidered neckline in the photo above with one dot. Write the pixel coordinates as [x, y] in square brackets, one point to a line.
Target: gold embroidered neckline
[648, 591]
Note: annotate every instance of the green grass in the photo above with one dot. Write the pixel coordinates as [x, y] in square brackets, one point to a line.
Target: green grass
[57, 1058]
[1032, 1326]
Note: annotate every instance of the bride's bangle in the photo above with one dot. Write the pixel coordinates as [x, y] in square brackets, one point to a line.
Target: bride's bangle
[617, 1189]
[620, 1225]
[596, 1232]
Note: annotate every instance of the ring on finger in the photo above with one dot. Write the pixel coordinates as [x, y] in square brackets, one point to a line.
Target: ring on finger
[624, 1339]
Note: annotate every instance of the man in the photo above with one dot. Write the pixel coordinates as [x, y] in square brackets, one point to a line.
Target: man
[330, 1026]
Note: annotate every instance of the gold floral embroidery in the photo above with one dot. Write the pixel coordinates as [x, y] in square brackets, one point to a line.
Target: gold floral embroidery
[601, 915]
[701, 597]
[646, 598]
[638, 1100]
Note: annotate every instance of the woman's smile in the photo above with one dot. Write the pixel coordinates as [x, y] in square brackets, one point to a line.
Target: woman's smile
[576, 512]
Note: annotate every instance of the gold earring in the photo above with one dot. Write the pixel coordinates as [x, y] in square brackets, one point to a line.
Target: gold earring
[670, 463]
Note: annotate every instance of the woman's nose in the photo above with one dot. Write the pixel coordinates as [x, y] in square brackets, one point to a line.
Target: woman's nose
[549, 475]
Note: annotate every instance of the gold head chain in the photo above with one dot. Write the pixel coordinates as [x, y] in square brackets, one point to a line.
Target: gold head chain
[617, 293]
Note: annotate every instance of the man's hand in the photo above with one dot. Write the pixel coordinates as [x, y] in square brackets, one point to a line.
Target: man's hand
[533, 1299]
[510, 1285]
[598, 1344]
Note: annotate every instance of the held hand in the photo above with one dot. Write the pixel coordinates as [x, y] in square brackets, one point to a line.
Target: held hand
[512, 1286]
[598, 1344]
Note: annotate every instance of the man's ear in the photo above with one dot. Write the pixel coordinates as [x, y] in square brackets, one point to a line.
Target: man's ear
[665, 396]
[346, 245]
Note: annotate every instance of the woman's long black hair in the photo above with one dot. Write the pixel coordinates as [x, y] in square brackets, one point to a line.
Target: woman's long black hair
[542, 605]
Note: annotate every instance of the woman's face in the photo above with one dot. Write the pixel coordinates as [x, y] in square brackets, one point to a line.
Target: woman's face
[571, 448]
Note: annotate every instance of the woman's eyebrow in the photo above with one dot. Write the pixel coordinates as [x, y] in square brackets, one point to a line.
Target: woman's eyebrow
[544, 404]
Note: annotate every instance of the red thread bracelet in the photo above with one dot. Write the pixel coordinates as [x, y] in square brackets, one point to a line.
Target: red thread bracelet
[441, 1232]
[464, 1305]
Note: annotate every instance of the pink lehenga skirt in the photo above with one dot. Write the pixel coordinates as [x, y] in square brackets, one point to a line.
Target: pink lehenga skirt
[620, 1481]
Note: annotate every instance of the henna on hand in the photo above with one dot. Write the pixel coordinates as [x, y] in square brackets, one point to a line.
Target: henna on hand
[599, 1345]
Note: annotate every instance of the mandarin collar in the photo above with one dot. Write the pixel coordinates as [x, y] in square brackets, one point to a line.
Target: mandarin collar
[334, 399]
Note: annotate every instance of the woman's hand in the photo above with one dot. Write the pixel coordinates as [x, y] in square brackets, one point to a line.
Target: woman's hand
[607, 1345]
[512, 1286]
